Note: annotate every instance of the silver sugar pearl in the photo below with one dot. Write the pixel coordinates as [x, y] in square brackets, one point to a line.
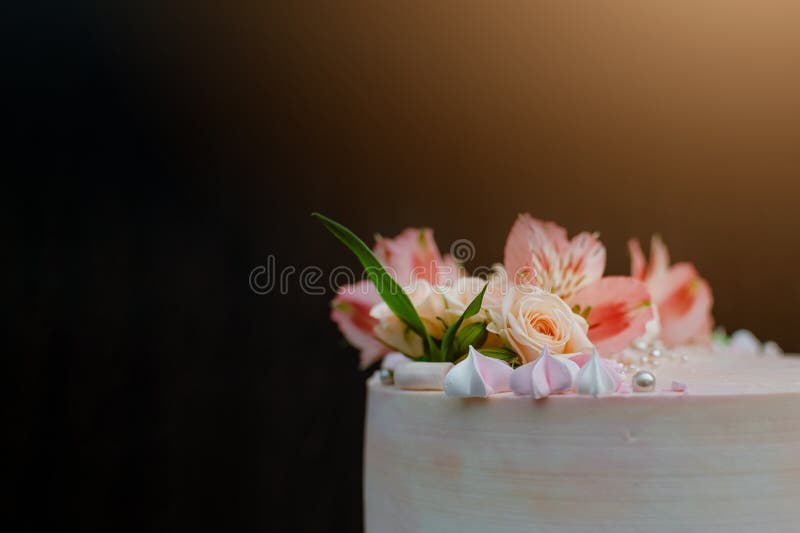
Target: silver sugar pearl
[640, 345]
[645, 360]
[656, 353]
[386, 376]
[644, 381]
[684, 358]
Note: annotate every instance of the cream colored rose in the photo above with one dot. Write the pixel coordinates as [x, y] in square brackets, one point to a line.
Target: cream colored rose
[528, 318]
[391, 330]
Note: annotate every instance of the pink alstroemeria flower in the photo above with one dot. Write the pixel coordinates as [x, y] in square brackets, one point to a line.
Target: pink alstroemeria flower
[350, 311]
[620, 311]
[540, 253]
[683, 298]
[412, 255]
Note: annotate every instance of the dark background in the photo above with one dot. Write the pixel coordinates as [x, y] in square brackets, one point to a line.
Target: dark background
[160, 152]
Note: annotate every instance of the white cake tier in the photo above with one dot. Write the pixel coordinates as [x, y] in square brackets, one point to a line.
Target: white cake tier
[723, 457]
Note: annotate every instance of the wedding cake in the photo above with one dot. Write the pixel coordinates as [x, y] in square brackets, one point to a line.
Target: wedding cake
[542, 395]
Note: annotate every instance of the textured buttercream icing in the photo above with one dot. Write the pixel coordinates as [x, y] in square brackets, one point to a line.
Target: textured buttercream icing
[721, 456]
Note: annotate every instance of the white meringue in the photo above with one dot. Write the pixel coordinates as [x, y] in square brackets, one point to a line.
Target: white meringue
[477, 376]
[745, 342]
[595, 378]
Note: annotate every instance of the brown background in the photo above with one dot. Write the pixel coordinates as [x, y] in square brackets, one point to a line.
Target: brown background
[622, 117]
[163, 152]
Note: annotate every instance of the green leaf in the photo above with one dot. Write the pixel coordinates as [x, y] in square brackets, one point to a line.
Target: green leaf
[470, 335]
[471, 310]
[500, 353]
[391, 292]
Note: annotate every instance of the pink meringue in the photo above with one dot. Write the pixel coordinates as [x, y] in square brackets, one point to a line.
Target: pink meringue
[545, 376]
[477, 376]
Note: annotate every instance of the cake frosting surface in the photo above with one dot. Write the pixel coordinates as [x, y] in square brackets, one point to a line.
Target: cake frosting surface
[724, 455]
[544, 394]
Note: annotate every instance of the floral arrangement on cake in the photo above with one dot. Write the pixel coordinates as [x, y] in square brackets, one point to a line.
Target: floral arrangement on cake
[544, 321]
[550, 291]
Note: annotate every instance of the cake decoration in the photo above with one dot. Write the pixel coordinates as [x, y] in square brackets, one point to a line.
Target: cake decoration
[477, 376]
[678, 386]
[386, 376]
[594, 378]
[394, 359]
[644, 381]
[540, 313]
[421, 376]
[545, 376]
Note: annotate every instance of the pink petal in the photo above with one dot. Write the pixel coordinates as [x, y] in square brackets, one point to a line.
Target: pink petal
[526, 236]
[449, 270]
[659, 257]
[350, 311]
[411, 255]
[540, 253]
[621, 309]
[638, 261]
[684, 304]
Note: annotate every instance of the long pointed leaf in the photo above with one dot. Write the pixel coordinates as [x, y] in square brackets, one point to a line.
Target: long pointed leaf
[471, 310]
[391, 292]
[501, 353]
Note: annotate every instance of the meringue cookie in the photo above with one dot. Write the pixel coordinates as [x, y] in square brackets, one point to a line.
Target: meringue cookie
[421, 376]
[477, 376]
[545, 376]
[744, 341]
[595, 378]
[613, 367]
